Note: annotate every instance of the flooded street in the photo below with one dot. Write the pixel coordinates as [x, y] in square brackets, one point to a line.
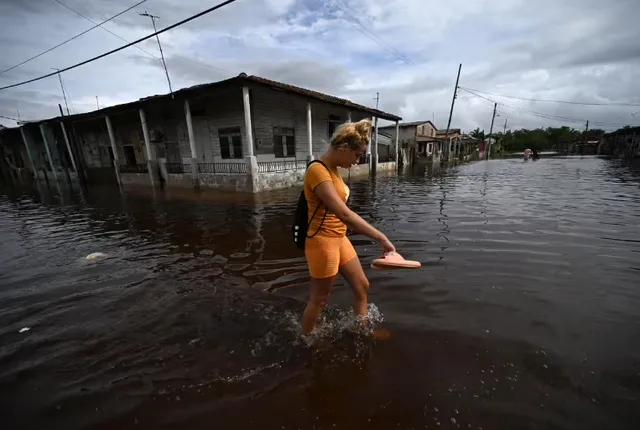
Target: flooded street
[525, 314]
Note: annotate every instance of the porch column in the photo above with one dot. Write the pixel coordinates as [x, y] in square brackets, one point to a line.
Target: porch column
[152, 164]
[247, 121]
[250, 159]
[116, 157]
[349, 116]
[397, 140]
[374, 148]
[26, 144]
[66, 141]
[192, 141]
[309, 132]
[48, 151]
[369, 145]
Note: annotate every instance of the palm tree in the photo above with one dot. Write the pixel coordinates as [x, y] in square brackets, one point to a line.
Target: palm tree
[477, 134]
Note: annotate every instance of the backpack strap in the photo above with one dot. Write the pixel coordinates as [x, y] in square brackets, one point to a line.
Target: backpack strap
[321, 203]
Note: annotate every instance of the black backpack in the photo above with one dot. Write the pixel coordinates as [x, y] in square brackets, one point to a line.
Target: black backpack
[301, 221]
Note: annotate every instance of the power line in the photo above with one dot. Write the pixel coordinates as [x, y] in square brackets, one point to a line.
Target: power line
[106, 29]
[358, 25]
[553, 101]
[138, 47]
[6, 117]
[113, 51]
[542, 115]
[69, 40]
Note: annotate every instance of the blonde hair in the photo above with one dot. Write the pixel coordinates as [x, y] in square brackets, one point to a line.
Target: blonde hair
[353, 134]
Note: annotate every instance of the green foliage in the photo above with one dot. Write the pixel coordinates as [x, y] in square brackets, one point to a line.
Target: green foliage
[477, 134]
[542, 139]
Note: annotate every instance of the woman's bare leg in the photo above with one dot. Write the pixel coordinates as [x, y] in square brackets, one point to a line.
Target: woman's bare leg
[353, 273]
[320, 291]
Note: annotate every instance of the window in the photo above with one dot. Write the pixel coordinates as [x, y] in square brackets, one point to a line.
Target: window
[284, 143]
[334, 121]
[230, 142]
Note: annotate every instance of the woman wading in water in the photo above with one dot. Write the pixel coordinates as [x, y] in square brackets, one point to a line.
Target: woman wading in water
[327, 248]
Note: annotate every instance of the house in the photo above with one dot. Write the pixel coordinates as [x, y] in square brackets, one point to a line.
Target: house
[246, 133]
[386, 147]
[416, 139]
[623, 143]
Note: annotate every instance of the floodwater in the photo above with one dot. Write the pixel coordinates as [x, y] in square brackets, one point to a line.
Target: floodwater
[525, 314]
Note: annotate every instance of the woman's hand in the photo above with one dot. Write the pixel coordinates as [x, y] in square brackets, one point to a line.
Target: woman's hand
[386, 246]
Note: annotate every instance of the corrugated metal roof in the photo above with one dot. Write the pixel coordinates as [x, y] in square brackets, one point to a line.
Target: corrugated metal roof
[451, 131]
[241, 78]
[321, 96]
[411, 124]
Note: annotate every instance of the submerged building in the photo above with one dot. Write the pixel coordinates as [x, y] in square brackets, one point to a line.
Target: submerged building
[246, 133]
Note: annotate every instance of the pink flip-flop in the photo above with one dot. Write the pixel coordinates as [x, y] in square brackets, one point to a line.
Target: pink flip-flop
[393, 260]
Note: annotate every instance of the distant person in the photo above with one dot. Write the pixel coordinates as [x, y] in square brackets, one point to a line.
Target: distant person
[527, 153]
[327, 249]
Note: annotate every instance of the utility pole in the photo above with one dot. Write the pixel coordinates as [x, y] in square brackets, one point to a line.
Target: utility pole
[504, 130]
[153, 21]
[64, 95]
[586, 129]
[97, 104]
[493, 118]
[453, 101]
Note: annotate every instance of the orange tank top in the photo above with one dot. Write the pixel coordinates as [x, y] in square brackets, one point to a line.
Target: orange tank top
[315, 175]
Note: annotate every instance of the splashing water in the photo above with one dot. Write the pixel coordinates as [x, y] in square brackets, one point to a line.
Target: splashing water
[335, 323]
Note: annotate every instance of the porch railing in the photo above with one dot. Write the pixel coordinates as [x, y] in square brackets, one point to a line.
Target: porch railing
[178, 168]
[222, 168]
[281, 166]
[135, 168]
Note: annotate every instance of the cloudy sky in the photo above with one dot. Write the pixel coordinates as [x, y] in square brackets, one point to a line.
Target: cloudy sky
[407, 50]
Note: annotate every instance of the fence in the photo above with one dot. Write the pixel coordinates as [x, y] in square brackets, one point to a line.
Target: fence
[178, 168]
[135, 168]
[222, 168]
[280, 166]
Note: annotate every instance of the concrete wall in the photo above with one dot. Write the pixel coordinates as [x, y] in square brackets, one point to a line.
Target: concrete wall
[135, 179]
[356, 171]
[274, 181]
[94, 143]
[179, 180]
[387, 167]
[227, 182]
[272, 108]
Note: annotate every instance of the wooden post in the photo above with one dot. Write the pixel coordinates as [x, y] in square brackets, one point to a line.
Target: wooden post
[151, 159]
[116, 157]
[48, 151]
[66, 141]
[26, 144]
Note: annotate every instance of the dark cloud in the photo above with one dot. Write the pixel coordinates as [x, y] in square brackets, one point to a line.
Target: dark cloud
[572, 50]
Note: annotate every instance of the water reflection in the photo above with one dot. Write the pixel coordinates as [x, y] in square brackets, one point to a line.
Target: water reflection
[523, 316]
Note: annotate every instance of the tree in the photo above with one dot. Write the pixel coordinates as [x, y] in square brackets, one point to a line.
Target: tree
[477, 134]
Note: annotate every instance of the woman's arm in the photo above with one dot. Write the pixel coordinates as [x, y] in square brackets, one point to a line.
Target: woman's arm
[327, 193]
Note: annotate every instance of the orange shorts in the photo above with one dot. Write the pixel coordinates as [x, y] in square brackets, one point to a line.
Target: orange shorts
[325, 255]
